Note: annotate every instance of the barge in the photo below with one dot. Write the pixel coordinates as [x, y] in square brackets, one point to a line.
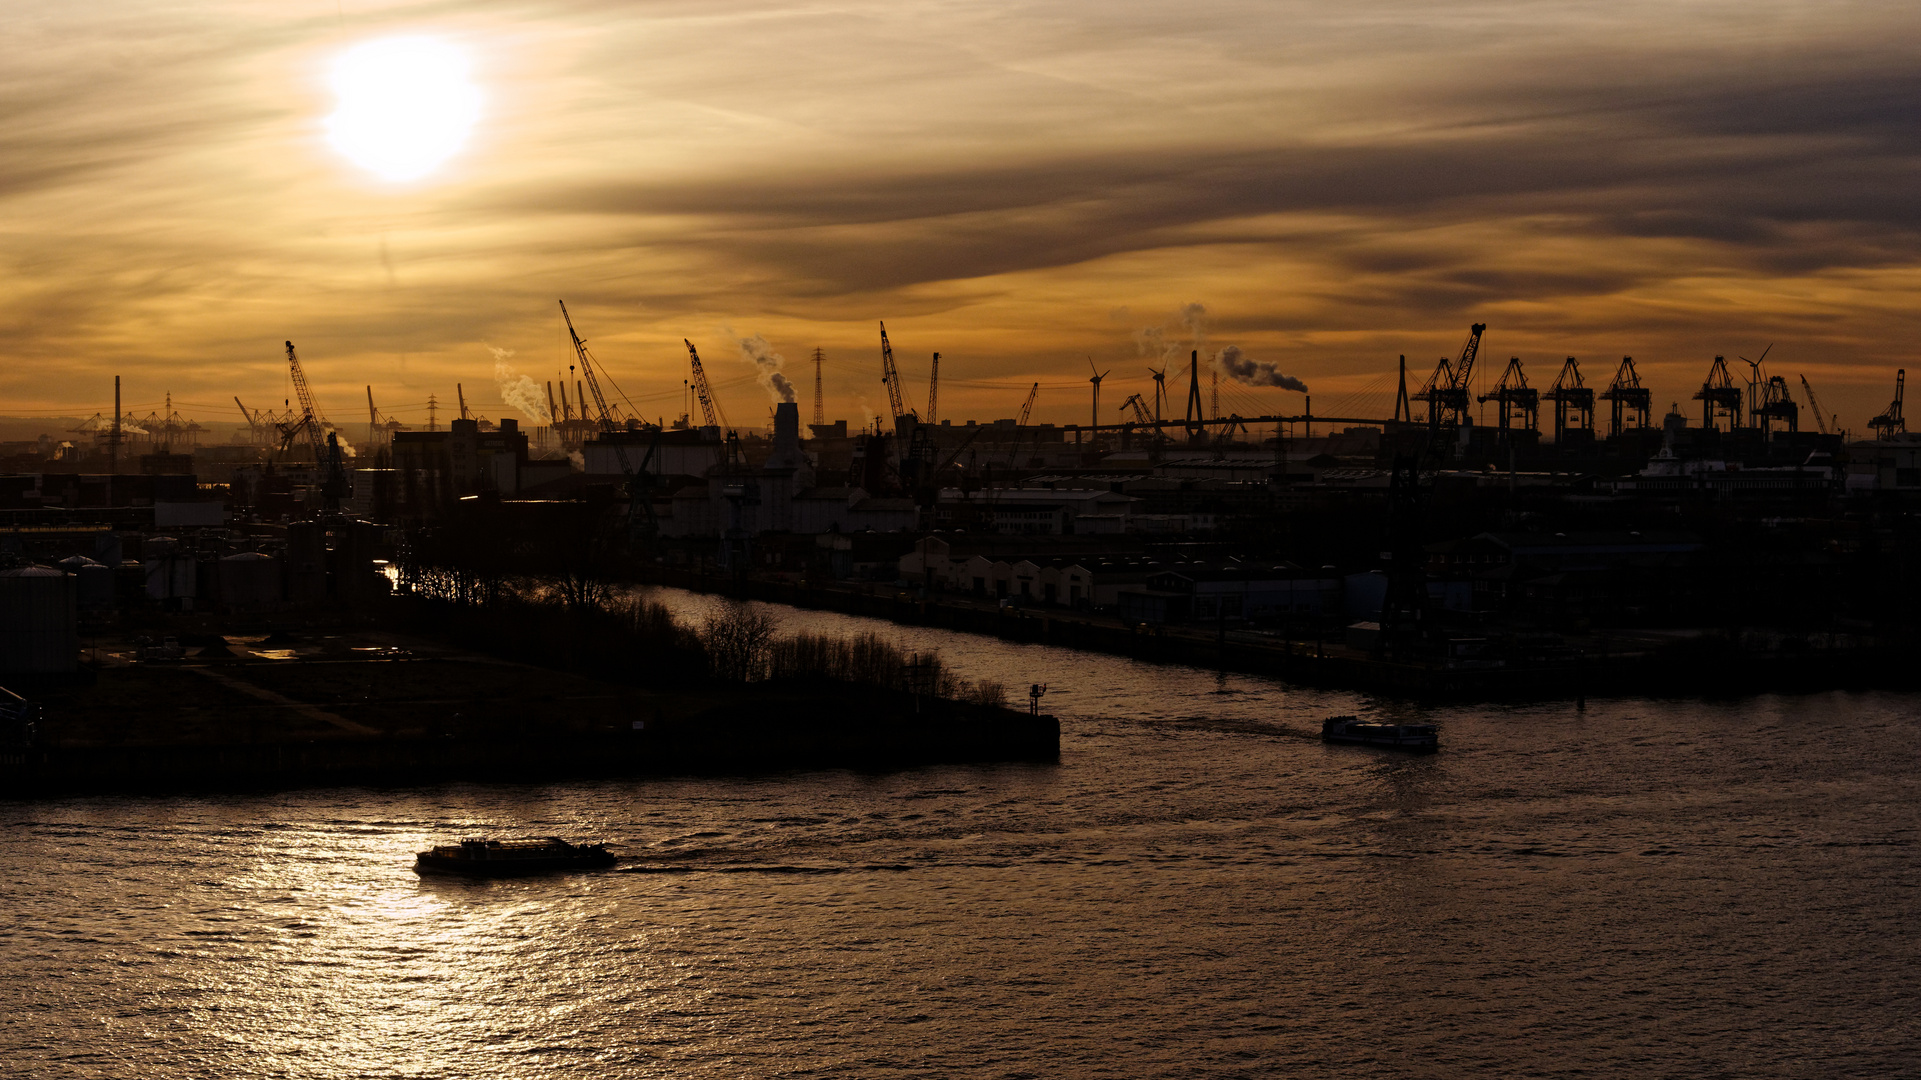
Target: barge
[510, 858]
[1352, 729]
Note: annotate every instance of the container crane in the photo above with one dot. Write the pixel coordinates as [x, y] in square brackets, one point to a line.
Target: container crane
[640, 482]
[1891, 421]
[1515, 398]
[709, 404]
[1573, 402]
[1718, 395]
[1446, 392]
[1626, 394]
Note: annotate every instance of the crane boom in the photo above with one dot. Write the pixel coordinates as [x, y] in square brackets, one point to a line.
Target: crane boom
[1140, 408]
[1820, 417]
[640, 500]
[1027, 407]
[891, 376]
[709, 404]
[309, 411]
[933, 391]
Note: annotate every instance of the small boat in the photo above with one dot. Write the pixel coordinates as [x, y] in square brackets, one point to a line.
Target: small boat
[1352, 729]
[506, 858]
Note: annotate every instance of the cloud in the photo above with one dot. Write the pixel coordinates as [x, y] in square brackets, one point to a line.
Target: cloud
[1342, 184]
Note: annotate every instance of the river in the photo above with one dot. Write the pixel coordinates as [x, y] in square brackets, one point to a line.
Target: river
[1200, 888]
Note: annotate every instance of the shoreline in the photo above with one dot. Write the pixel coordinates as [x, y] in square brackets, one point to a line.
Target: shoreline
[1618, 673]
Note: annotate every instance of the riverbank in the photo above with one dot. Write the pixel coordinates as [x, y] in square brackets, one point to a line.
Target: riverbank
[345, 705]
[1605, 664]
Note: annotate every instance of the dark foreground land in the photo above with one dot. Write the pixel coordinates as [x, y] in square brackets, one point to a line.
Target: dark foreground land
[340, 704]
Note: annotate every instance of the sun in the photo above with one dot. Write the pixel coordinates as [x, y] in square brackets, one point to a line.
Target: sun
[406, 105]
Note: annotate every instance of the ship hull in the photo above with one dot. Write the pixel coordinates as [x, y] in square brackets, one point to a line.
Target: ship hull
[489, 868]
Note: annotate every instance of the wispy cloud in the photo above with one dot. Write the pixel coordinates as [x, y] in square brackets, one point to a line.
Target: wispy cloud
[1342, 184]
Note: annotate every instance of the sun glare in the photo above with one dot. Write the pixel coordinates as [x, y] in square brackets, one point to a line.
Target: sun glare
[405, 105]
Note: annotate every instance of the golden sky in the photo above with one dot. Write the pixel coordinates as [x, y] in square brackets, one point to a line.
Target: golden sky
[1020, 186]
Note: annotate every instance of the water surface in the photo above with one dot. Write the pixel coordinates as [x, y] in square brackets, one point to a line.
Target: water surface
[1200, 888]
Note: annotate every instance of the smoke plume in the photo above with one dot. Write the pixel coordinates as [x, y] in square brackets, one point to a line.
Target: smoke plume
[519, 391]
[756, 351]
[1240, 367]
[1185, 329]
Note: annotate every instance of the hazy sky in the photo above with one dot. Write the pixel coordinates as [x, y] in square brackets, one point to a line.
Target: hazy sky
[1019, 186]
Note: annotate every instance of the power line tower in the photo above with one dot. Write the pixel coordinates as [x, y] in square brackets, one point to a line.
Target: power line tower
[820, 407]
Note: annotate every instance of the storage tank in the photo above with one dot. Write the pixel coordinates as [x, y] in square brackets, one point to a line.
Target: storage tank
[39, 621]
[94, 581]
[249, 580]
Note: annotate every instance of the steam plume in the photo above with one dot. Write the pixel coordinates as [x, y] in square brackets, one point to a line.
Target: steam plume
[1164, 342]
[1240, 367]
[756, 351]
[520, 392]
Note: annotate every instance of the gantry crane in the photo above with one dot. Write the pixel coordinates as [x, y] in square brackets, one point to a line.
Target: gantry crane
[1513, 397]
[1446, 392]
[1719, 396]
[1891, 421]
[891, 376]
[710, 408]
[1626, 394]
[1573, 402]
[640, 482]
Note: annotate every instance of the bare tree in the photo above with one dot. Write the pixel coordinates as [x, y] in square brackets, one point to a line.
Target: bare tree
[739, 642]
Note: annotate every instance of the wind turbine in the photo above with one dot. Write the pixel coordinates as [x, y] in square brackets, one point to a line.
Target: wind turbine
[1096, 380]
[1160, 390]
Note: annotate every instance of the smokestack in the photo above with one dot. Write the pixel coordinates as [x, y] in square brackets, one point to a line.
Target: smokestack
[786, 453]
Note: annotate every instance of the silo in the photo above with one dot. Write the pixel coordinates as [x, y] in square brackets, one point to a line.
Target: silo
[249, 581]
[39, 621]
[94, 581]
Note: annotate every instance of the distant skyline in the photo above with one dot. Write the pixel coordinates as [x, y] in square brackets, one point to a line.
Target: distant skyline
[1021, 187]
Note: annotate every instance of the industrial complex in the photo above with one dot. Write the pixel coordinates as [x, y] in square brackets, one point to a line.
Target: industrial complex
[1741, 519]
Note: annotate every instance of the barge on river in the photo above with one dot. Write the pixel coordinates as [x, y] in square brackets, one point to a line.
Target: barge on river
[509, 858]
[1352, 729]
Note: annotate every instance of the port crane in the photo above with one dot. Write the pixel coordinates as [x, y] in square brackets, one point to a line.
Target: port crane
[1573, 402]
[1515, 398]
[308, 422]
[640, 481]
[1626, 394]
[1140, 408]
[709, 404]
[933, 391]
[1820, 415]
[1020, 424]
[1891, 421]
[890, 375]
[1446, 391]
[1718, 395]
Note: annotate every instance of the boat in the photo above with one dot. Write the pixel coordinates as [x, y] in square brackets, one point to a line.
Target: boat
[507, 858]
[1352, 729]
